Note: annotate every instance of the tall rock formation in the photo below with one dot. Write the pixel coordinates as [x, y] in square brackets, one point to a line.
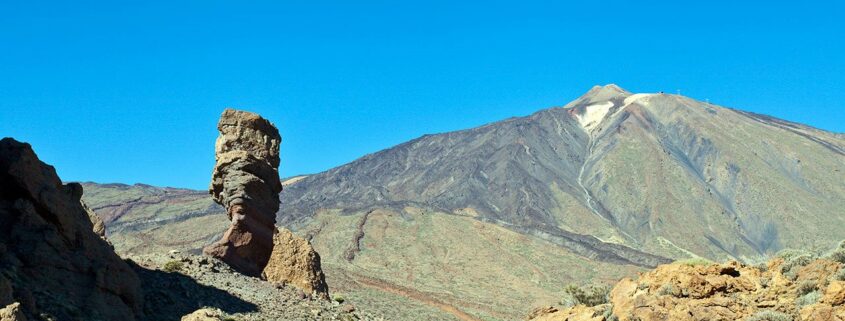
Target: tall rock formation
[51, 260]
[246, 182]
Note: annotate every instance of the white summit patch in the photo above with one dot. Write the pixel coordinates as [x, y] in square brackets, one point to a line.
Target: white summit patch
[594, 114]
[641, 98]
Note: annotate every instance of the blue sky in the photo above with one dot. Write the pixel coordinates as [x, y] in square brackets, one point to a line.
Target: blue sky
[130, 91]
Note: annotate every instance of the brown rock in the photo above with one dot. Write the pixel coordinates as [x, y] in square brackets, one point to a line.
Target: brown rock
[727, 292]
[53, 261]
[204, 315]
[12, 312]
[295, 262]
[835, 293]
[246, 182]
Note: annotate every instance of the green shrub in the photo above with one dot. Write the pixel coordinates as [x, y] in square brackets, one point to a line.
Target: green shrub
[806, 287]
[591, 295]
[839, 276]
[173, 266]
[793, 260]
[809, 298]
[697, 261]
[838, 254]
[667, 289]
[769, 315]
[338, 298]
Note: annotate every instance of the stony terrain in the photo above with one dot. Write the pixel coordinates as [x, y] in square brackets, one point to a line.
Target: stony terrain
[56, 265]
[611, 184]
[793, 286]
[179, 282]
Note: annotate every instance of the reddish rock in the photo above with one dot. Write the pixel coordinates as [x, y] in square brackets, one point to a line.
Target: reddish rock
[246, 182]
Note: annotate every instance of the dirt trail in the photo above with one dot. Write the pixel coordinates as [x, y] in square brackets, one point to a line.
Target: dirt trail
[414, 295]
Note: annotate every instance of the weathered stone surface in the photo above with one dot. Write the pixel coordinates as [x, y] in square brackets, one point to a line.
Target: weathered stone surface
[50, 258]
[295, 262]
[727, 292]
[204, 315]
[246, 182]
[12, 312]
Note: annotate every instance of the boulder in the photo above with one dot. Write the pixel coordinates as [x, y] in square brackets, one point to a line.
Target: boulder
[295, 262]
[246, 182]
[206, 314]
[51, 260]
[12, 312]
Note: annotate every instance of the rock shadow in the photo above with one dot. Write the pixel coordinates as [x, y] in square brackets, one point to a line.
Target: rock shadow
[171, 295]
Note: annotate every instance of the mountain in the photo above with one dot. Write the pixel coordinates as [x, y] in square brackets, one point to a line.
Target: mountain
[463, 224]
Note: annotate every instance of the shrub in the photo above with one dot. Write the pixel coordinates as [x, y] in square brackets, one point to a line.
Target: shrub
[590, 296]
[667, 289]
[173, 266]
[809, 298]
[838, 254]
[806, 287]
[839, 276]
[338, 298]
[697, 261]
[793, 260]
[769, 315]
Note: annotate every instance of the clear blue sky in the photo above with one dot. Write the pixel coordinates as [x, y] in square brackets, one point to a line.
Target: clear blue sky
[130, 91]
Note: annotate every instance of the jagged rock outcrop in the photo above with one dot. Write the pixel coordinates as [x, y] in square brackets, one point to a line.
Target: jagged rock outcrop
[295, 262]
[12, 312]
[796, 288]
[51, 260]
[246, 182]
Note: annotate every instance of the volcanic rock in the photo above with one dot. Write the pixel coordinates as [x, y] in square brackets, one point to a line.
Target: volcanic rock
[246, 182]
[51, 261]
[730, 291]
[12, 312]
[295, 262]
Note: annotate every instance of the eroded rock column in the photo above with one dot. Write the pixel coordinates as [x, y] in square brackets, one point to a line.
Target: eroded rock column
[246, 182]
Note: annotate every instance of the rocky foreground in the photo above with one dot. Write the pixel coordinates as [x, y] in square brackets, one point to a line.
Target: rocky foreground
[56, 265]
[793, 286]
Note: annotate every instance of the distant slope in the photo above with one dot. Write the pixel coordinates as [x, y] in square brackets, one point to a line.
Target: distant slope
[660, 174]
[603, 187]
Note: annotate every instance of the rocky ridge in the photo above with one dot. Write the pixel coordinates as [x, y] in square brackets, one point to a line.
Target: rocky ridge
[51, 260]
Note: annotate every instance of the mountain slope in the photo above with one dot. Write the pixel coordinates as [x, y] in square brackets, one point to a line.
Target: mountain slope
[475, 220]
[657, 173]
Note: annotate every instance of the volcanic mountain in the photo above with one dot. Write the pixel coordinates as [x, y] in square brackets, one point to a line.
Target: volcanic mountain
[485, 222]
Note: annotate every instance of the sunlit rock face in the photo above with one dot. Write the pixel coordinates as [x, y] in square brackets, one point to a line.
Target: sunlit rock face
[246, 182]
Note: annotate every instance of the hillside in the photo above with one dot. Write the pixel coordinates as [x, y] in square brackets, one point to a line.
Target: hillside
[463, 224]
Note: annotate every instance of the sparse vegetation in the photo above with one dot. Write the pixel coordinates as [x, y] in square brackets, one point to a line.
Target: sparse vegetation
[667, 289]
[591, 295]
[173, 266]
[806, 287]
[838, 254]
[793, 260]
[770, 315]
[839, 276]
[696, 261]
[809, 298]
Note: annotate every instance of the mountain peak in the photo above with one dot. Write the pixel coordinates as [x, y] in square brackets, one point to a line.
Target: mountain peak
[600, 94]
